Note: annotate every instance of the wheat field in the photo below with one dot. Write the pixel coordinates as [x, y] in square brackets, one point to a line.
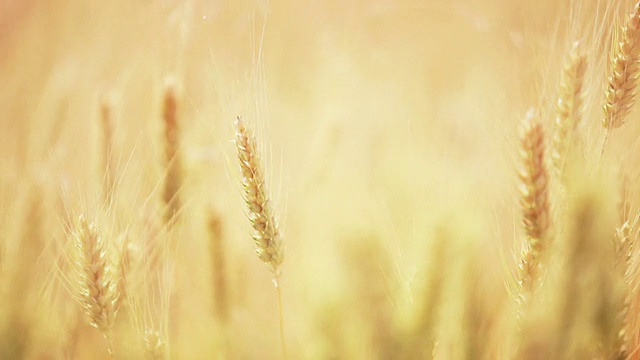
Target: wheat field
[279, 179]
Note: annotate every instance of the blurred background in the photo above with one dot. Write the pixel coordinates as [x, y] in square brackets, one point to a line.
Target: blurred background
[384, 126]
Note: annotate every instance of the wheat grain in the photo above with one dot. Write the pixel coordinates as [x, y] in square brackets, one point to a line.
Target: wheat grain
[527, 272]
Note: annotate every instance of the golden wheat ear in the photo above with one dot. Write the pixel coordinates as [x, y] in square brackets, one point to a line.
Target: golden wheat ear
[266, 235]
[98, 284]
[622, 75]
[173, 162]
[534, 202]
[626, 235]
[534, 181]
[568, 105]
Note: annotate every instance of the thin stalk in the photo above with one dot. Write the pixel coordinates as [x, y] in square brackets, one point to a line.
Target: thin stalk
[604, 145]
[276, 283]
[107, 338]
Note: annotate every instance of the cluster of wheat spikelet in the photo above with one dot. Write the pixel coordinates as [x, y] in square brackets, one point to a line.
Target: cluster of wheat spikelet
[573, 335]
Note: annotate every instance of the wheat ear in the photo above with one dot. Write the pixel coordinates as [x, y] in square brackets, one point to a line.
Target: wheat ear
[266, 235]
[173, 164]
[98, 284]
[622, 74]
[625, 237]
[568, 105]
[533, 198]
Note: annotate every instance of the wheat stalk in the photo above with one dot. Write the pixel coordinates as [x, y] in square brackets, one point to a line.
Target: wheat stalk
[266, 236]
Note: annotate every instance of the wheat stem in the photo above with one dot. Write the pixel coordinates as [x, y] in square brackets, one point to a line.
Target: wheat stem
[107, 339]
[266, 236]
[278, 286]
